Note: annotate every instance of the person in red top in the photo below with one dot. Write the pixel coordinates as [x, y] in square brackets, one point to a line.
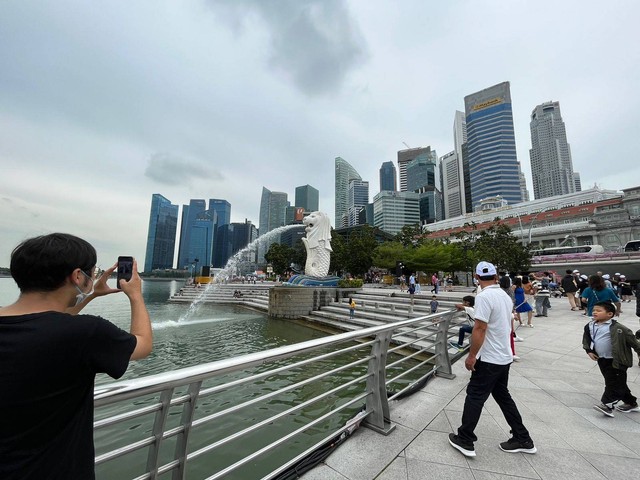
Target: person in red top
[49, 356]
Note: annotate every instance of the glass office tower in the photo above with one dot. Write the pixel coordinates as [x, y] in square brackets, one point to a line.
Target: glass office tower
[161, 237]
[491, 145]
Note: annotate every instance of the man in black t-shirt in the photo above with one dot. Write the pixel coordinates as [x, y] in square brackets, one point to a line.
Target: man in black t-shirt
[49, 356]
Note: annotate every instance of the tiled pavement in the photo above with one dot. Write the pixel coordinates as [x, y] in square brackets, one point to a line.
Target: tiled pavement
[554, 385]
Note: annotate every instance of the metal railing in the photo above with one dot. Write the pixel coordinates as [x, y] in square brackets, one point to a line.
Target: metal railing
[257, 415]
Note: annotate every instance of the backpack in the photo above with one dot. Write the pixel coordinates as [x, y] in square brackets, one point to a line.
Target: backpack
[505, 282]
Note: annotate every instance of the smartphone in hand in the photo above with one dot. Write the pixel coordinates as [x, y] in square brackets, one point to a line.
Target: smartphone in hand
[125, 269]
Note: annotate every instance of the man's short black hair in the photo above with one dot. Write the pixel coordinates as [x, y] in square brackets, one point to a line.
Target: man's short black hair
[470, 299]
[486, 277]
[608, 306]
[569, 272]
[41, 264]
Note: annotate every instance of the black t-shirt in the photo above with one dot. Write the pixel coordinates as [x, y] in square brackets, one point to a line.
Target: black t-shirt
[48, 362]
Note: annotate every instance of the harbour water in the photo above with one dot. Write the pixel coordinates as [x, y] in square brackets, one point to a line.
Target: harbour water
[211, 333]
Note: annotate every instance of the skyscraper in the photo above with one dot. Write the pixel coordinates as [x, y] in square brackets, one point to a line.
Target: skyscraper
[222, 209]
[189, 214]
[551, 165]
[344, 173]
[161, 237]
[273, 206]
[423, 178]
[388, 180]
[358, 199]
[394, 210]
[454, 189]
[491, 145]
[307, 198]
[201, 239]
[404, 157]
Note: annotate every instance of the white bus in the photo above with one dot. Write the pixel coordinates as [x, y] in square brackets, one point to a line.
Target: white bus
[579, 250]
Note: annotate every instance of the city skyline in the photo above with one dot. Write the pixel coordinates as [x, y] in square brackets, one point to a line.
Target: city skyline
[205, 98]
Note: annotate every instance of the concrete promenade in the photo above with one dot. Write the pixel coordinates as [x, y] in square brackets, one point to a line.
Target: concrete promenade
[554, 385]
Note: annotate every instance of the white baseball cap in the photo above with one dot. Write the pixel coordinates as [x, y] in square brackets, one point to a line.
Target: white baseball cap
[606, 276]
[576, 271]
[584, 277]
[485, 268]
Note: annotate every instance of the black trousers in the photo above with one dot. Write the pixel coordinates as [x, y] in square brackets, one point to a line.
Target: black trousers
[615, 383]
[490, 379]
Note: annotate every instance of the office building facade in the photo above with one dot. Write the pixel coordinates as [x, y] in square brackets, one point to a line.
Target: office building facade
[404, 158]
[273, 206]
[233, 238]
[307, 197]
[452, 185]
[423, 177]
[550, 154]
[358, 199]
[394, 210]
[161, 236]
[491, 145]
[388, 177]
[189, 214]
[344, 173]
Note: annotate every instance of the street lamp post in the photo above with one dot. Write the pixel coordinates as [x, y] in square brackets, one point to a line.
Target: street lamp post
[533, 220]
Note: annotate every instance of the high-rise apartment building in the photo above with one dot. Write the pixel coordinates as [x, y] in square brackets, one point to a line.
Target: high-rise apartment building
[344, 173]
[358, 199]
[161, 237]
[551, 165]
[491, 145]
[388, 179]
[307, 197]
[406, 156]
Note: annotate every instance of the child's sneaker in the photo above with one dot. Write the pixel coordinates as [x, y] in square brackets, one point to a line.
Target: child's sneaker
[626, 408]
[608, 411]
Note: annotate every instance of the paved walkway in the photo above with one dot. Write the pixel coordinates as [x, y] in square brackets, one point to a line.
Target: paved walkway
[554, 385]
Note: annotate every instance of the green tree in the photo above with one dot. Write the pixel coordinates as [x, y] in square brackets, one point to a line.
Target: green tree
[280, 257]
[388, 253]
[431, 256]
[410, 235]
[499, 246]
[359, 250]
[338, 254]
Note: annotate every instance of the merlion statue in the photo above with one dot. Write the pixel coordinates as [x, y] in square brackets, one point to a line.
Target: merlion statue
[317, 244]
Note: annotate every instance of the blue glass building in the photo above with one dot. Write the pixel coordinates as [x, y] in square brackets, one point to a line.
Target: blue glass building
[189, 214]
[161, 237]
[491, 145]
[388, 178]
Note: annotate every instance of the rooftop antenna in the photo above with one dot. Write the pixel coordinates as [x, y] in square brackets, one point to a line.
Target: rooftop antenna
[405, 144]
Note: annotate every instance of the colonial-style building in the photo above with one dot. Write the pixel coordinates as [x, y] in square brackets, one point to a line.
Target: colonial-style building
[591, 217]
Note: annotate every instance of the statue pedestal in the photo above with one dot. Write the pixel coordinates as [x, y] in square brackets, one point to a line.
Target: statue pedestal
[306, 280]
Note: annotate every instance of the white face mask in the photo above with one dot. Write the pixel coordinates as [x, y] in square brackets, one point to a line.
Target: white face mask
[81, 295]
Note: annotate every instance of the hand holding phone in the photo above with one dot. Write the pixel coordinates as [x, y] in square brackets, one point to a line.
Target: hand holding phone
[125, 269]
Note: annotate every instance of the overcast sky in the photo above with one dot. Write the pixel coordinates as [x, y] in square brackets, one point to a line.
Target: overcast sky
[103, 104]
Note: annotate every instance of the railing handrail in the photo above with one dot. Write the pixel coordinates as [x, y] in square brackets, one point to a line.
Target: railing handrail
[104, 394]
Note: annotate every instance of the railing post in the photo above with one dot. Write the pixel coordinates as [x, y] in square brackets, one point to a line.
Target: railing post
[158, 430]
[377, 402]
[443, 362]
[182, 440]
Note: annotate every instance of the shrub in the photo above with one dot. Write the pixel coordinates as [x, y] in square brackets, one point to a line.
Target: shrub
[353, 283]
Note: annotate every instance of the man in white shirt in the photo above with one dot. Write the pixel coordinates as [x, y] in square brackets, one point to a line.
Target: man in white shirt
[489, 359]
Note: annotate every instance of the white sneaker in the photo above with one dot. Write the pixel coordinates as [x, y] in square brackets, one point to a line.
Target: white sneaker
[516, 358]
[518, 339]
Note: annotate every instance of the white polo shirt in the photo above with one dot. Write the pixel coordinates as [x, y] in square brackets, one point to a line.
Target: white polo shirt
[494, 306]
